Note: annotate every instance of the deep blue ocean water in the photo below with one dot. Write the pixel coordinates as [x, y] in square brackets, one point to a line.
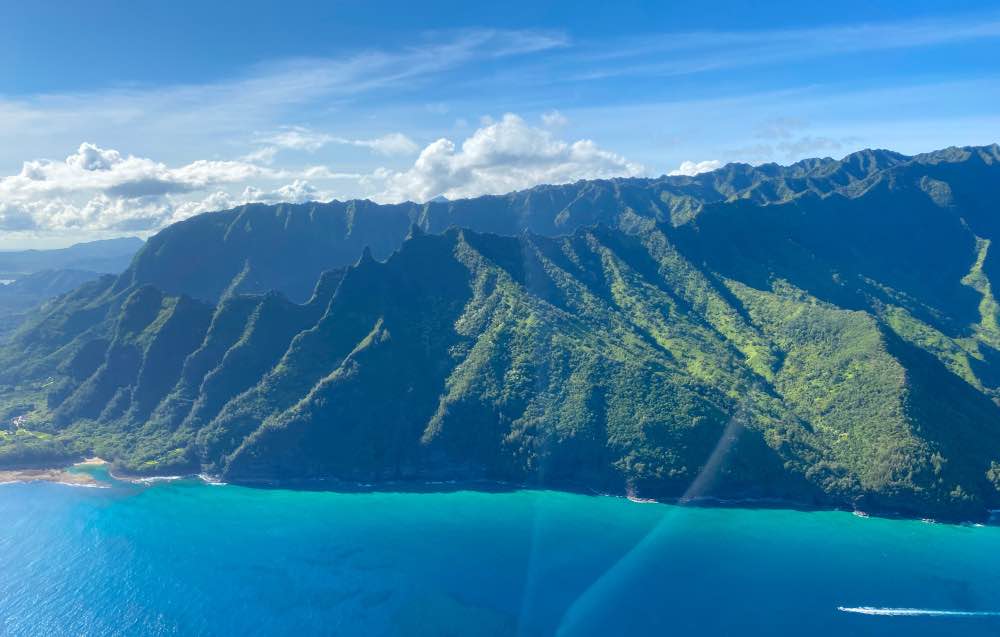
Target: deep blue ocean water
[187, 558]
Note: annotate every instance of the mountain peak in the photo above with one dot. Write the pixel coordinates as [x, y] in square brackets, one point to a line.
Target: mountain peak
[869, 161]
[959, 154]
[366, 256]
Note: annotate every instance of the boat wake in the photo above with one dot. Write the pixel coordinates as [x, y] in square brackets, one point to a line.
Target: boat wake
[916, 612]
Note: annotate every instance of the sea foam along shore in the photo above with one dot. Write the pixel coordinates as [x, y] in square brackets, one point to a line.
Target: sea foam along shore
[150, 480]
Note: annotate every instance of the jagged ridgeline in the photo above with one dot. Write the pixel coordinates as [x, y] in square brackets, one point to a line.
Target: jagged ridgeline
[824, 333]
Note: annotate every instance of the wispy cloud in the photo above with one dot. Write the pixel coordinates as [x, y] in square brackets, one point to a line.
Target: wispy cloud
[296, 138]
[305, 139]
[682, 53]
[265, 94]
[554, 119]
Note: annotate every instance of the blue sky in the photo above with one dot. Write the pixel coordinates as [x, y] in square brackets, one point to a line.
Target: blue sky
[119, 117]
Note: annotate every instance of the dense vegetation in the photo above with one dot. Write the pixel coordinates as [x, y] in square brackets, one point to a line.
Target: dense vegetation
[824, 333]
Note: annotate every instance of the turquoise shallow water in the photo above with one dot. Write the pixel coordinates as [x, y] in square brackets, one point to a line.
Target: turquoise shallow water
[188, 558]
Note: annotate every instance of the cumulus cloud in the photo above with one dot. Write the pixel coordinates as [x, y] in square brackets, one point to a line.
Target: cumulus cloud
[90, 157]
[93, 168]
[299, 191]
[15, 217]
[499, 157]
[218, 200]
[100, 212]
[103, 189]
[692, 168]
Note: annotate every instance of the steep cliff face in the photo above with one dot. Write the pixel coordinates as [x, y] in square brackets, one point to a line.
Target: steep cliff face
[824, 333]
[259, 248]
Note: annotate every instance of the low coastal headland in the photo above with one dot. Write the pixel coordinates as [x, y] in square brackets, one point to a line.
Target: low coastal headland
[61, 475]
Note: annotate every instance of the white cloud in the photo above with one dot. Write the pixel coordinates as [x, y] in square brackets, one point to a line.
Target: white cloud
[100, 212]
[391, 144]
[90, 157]
[218, 200]
[691, 168]
[264, 155]
[102, 189]
[554, 119]
[500, 157]
[95, 169]
[14, 217]
[299, 191]
[99, 189]
[324, 172]
[298, 138]
[304, 139]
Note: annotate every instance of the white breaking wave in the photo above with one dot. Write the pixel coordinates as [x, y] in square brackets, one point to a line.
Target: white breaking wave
[154, 479]
[207, 479]
[917, 612]
[84, 486]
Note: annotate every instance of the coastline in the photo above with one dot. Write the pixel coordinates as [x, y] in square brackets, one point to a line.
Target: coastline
[987, 516]
[68, 476]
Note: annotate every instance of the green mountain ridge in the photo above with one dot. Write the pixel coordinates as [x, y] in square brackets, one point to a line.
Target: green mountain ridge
[30, 277]
[823, 333]
[205, 255]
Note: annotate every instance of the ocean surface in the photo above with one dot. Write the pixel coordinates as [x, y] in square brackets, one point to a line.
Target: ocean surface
[189, 558]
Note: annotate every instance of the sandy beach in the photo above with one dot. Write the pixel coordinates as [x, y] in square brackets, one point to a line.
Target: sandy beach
[91, 462]
[62, 476]
[48, 475]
